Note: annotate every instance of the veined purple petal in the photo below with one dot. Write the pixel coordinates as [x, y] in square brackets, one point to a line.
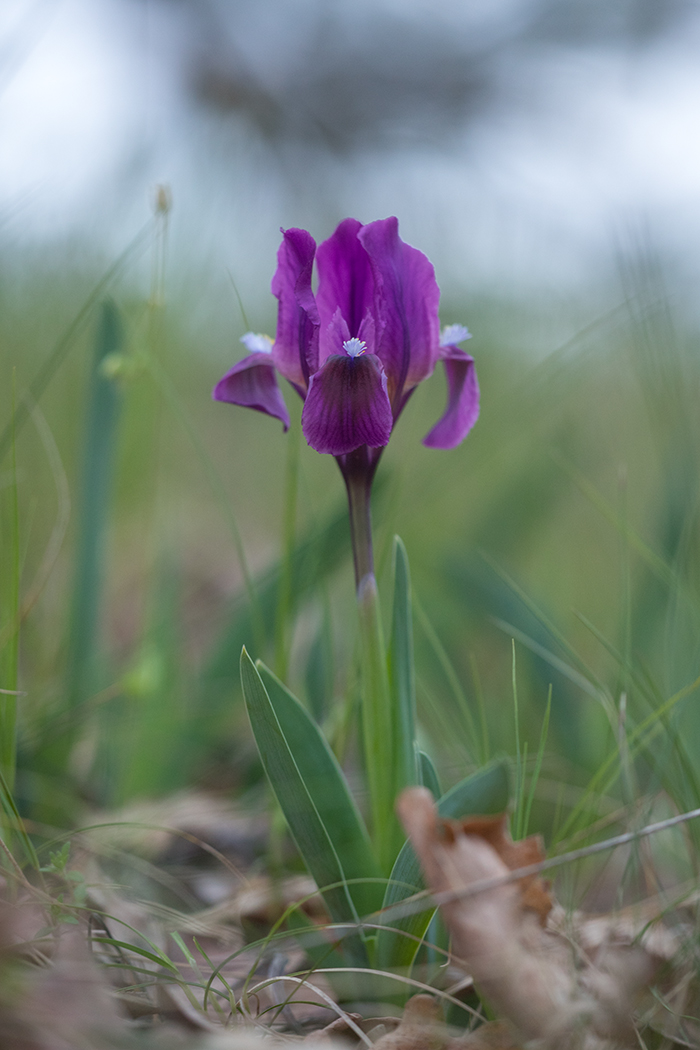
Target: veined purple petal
[253, 384]
[347, 405]
[406, 307]
[336, 333]
[295, 350]
[462, 409]
[345, 282]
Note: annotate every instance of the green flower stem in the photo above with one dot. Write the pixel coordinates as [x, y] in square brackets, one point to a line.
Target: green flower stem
[358, 481]
[377, 722]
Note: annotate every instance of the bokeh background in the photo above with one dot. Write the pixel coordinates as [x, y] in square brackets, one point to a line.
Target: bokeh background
[545, 154]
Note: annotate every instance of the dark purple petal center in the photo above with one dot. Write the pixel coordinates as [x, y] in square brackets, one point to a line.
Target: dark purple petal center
[347, 405]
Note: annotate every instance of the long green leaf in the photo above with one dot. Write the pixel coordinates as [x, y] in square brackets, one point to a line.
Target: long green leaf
[16, 824]
[301, 814]
[377, 724]
[327, 786]
[48, 369]
[9, 657]
[484, 792]
[315, 558]
[145, 743]
[402, 676]
[319, 676]
[99, 448]
[428, 774]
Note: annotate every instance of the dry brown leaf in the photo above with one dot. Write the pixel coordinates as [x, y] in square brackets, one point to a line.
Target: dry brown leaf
[63, 1004]
[495, 831]
[262, 901]
[340, 1030]
[553, 990]
[152, 827]
[494, 1035]
[337, 1028]
[420, 1028]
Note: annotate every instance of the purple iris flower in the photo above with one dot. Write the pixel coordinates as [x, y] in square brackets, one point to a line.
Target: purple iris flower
[356, 350]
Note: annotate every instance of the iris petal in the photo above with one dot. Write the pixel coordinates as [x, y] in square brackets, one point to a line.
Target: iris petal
[462, 409]
[406, 307]
[345, 283]
[295, 350]
[253, 384]
[347, 405]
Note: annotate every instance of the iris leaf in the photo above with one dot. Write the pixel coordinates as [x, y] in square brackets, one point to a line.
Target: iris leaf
[302, 816]
[486, 791]
[326, 784]
[402, 676]
[428, 774]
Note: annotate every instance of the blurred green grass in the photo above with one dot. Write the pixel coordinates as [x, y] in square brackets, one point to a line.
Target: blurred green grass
[567, 520]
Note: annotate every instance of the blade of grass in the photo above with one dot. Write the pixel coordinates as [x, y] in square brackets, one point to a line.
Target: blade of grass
[99, 447]
[402, 676]
[517, 814]
[284, 598]
[145, 743]
[65, 343]
[316, 556]
[16, 824]
[638, 739]
[485, 755]
[653, 561]
[60, 528]
[603, 694]
[538, 765]
[10, 653]
[448, 670]
[319, 672]
[169, 393]
[546, 654]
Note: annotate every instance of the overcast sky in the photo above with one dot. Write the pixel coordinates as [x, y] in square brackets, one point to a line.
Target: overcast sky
[596, 144]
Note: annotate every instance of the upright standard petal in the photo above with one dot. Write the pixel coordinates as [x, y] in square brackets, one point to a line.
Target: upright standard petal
[462, 409]
[345, 282]
[347, 405]
[406, 306]
[253, 384]
[295, 350]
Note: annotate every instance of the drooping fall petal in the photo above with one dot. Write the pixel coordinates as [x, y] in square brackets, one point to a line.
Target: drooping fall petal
[462, 409]
[295, 350]
[345, 283]
[406, 308]
[253, 383]
[347, 405]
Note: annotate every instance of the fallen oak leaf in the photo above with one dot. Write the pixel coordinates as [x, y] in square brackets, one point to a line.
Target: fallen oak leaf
[494, 1035]
[531, 975]
[339, 1029]
[421, 1027]
[492, 935]
[494, 830]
